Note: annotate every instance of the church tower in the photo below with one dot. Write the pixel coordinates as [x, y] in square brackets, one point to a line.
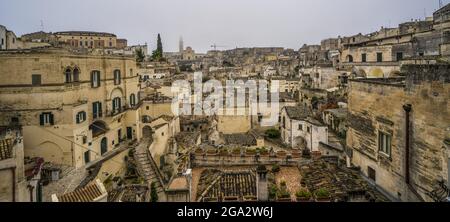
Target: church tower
[181, 45]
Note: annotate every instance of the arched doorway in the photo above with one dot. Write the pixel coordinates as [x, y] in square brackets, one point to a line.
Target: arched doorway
[147, 132]
[104, 146]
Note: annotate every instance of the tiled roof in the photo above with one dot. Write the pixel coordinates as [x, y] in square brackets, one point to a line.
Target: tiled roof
[87, 194]
[297, 112]
[245, 139]
[237, 184]
[6, 149]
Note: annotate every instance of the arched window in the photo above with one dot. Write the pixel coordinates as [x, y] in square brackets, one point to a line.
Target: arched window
[76, 75]
[116, 105]
[68, 74]
[132, 100]
[349, 58]
[104, 146]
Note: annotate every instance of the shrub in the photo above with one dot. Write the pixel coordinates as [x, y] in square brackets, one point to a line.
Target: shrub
[304, 194]
[322, 193]
[275, 168]
[273, 189]
[153, 193]
[273, 133]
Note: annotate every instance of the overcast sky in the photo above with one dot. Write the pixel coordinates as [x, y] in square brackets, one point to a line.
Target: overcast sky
[230, 23]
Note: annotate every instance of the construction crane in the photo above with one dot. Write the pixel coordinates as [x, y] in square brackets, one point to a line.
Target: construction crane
[218, 46]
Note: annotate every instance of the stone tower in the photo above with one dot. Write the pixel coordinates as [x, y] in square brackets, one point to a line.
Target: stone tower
[262, 189]
[181, 45]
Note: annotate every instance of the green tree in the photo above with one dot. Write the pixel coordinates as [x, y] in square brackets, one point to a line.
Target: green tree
[140, 56]
[157, 54]
[153, 193]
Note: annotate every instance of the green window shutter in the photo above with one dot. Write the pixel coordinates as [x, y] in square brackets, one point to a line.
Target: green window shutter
[51, 119]
[100, 112]
[41, 119]
[98, 79]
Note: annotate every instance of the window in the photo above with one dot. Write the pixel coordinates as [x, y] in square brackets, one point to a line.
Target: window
[14, 120]
[95, 79]
[81, 43]
[284, 122]
[379, 57]
[349, 58]
[81, 117]
[76, 75]
[68, 74]
[364, 57]
[300, 127]
[399, 56]
[36, 80]
[87, 157]
[97, 110]
[84, 139]
[132, 100]
[372, 174]
[308, 129]
[116, 77]
[46, 119]
[384, 143]
[110, 44]
[421, 54]
[116, 104]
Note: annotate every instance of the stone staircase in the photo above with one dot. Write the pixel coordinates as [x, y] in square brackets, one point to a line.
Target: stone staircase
[148, 168]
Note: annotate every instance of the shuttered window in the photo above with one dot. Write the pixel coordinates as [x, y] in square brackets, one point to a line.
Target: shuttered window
[81, 117]
[97, 110]
[46, 119]
[95, 79]
[117, 77]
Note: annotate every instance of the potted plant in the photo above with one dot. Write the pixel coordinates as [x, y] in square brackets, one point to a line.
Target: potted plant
[263, 152]
[281, 154]
[236, 152]
[303, 195]
[296, 154]
[283, 194]
[250, 152]
[223, 152]
[275, 168]
[322, 195]
[211, 152]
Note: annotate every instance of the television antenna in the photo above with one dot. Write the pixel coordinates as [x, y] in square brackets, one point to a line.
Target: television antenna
[42, 25]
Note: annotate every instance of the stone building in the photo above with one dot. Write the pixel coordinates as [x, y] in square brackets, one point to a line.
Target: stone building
[73, 107]
[94, 192]
[398, 130]
[299, 130]
[82, 39]
[20, 178]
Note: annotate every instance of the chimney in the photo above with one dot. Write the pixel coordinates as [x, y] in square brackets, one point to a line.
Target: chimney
[261, 184]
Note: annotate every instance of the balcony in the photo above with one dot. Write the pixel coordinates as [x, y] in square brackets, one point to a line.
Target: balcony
[116, 112]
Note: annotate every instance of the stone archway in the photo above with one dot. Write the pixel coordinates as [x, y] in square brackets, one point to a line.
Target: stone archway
[147, 132]
[376, 73]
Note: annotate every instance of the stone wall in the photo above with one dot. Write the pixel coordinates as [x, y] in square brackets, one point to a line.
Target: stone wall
[378, 107]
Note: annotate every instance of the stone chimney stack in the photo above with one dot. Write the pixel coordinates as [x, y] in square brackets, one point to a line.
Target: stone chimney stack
[261, 184]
